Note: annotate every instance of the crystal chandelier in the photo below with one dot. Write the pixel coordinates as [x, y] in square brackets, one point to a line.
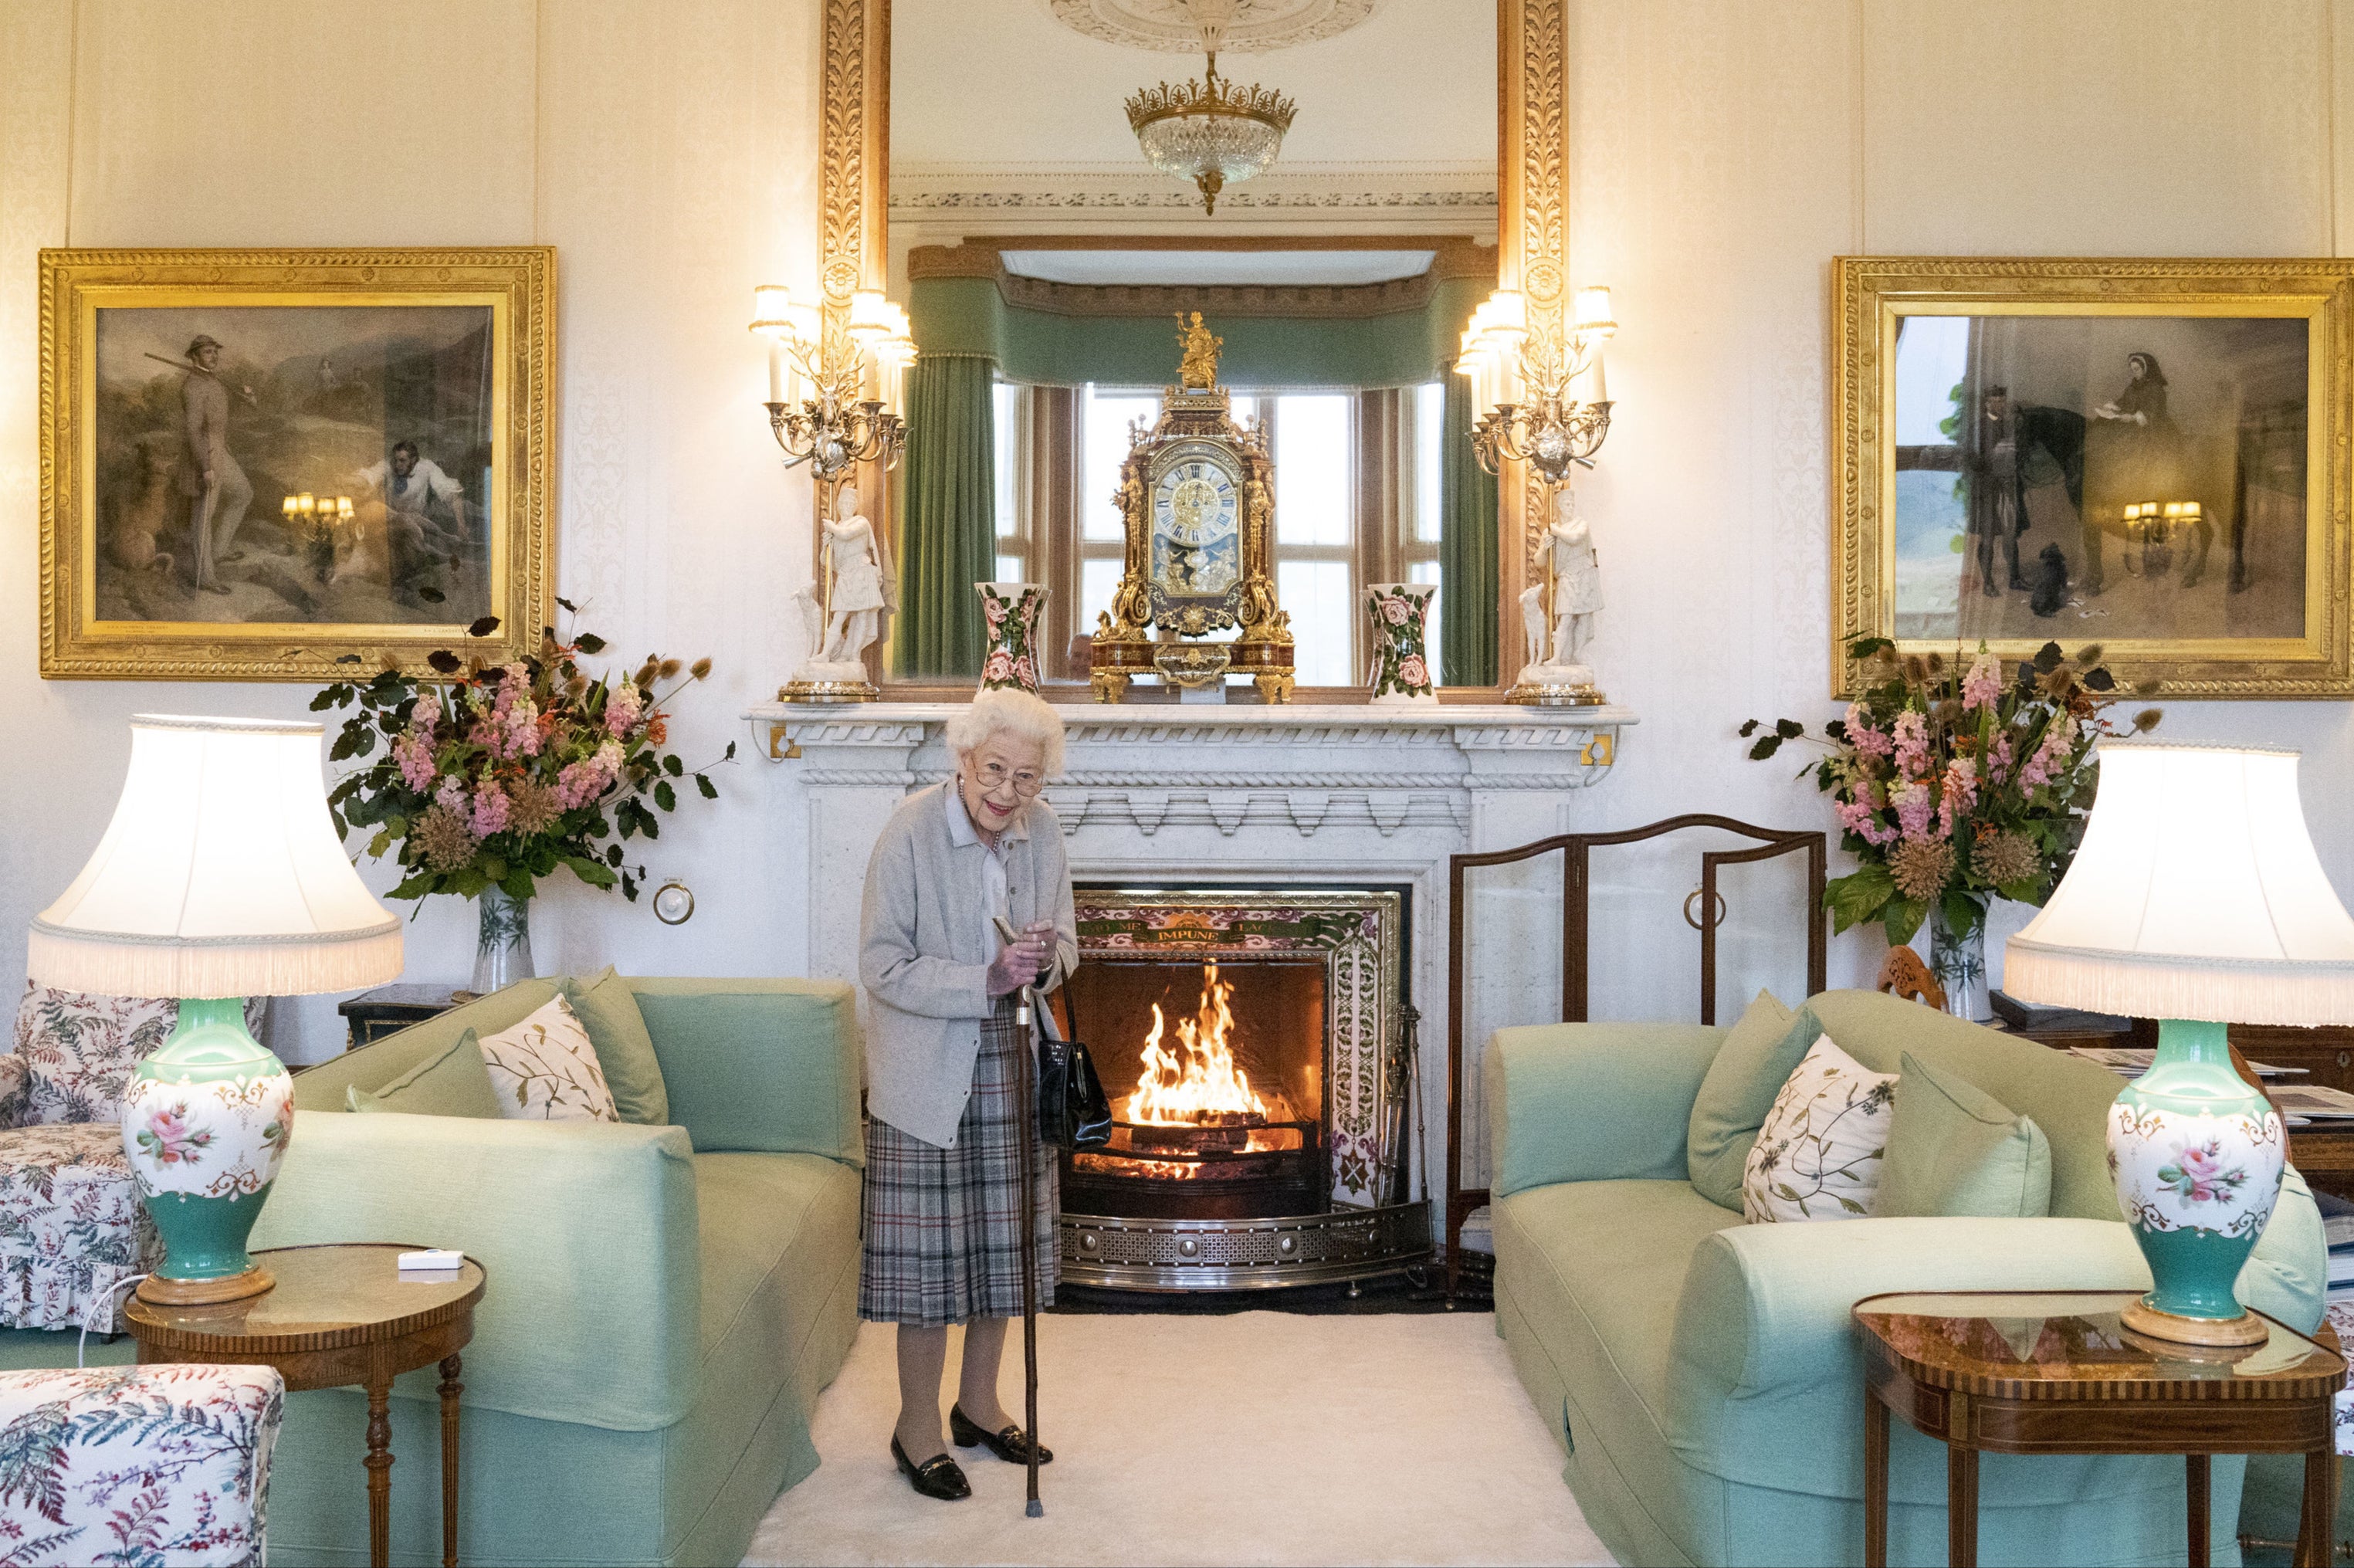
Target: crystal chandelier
[1213, 132]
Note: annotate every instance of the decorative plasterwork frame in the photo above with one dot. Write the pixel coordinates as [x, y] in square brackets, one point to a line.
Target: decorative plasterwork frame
[1870, 293]
[1532, 227]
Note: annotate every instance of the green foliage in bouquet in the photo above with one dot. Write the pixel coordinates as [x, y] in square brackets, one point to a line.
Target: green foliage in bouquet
[1955, 784]
[496, 775]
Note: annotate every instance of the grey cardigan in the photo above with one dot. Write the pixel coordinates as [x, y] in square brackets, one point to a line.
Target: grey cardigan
[920, 958]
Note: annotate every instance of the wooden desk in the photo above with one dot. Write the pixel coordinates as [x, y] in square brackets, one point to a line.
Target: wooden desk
[2055, 1371]
[388, 1008]
[340, 1316]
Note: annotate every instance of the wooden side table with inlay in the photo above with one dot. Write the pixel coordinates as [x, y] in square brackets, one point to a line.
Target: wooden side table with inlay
[2056, 1371]
[340, 1316]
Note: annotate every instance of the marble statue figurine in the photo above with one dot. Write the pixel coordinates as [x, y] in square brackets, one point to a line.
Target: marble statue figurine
[855, 565]
[1557, 612]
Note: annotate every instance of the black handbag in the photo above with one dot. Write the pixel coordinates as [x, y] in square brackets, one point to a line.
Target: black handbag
[1074, 1112]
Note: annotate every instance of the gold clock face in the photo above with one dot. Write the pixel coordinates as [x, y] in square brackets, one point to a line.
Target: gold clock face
[1196, 529]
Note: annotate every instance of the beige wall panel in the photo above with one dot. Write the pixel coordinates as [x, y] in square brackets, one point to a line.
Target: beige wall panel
[327, 123]
[677, 170]
[1713, 152]
[2095, 127]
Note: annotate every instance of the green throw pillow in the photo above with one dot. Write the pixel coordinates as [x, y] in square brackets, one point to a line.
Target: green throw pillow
[455, 1083]
[1954, 1149]
[608, 1008]
[1756, 1060]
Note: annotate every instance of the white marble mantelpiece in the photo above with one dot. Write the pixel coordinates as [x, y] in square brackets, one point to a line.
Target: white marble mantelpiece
[1170, 794]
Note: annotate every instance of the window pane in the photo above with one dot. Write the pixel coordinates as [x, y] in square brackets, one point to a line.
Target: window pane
[1098, 580]
[1009, 569]
[1104, 420]
[1320, 599]
[1004, 399]
[1311, 469]
[1427, 572]
[1429, 434]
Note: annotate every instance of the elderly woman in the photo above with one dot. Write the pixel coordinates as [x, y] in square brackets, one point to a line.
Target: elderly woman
[944, 1228]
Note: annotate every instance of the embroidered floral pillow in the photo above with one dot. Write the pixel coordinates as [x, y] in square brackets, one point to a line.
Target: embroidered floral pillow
[1819, 1155]
[544, 1069]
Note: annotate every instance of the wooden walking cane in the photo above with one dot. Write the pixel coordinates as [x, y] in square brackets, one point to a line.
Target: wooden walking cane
[1025, 1100]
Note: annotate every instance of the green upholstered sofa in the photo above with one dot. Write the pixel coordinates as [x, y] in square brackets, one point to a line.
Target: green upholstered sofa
[664, 1304]
[1703, 1376]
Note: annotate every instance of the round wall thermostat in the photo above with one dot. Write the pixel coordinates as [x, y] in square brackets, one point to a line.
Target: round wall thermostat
[673, 903]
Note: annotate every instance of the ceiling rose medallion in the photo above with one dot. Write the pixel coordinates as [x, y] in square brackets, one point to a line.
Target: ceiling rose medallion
[1176, 24]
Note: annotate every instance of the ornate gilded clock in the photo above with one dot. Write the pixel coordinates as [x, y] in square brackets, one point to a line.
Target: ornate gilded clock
[1197, 496]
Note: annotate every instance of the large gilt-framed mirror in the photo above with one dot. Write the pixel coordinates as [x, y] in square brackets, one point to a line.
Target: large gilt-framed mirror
[978, 165]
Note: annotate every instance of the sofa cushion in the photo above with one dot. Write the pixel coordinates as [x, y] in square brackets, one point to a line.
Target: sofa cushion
[2068, 1096]
[608, 1008]
[1760, 1053]
[1818, 1155]
[1954, 1149]
[454, 1083]
[322, 1087]
[546, 1069]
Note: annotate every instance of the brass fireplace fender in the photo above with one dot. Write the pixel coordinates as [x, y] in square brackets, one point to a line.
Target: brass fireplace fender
[1533, 226]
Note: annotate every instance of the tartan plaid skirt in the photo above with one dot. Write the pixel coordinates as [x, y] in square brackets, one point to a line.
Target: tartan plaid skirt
[941, 1234]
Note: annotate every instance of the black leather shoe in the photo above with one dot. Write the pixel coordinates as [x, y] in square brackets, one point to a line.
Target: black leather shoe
[941, 1478]
[1012, 1444]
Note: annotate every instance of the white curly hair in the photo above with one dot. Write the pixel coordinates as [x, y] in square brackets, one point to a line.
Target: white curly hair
[1004, 711]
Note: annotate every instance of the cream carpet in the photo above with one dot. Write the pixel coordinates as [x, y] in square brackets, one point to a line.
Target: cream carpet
[1262, 1438]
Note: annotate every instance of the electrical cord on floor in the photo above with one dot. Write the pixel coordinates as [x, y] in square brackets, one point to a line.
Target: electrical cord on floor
[82, 1344]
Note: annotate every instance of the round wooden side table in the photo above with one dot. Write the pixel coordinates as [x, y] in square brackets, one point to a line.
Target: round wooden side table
[338, 1316]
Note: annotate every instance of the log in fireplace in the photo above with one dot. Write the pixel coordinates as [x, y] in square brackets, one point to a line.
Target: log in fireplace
[1256, 1046]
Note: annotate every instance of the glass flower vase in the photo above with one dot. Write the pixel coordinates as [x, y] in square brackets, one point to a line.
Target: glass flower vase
[1957, 957]
[503, 948]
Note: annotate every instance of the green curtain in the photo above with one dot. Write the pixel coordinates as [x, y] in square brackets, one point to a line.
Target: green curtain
[1467, 550]
[948, 516]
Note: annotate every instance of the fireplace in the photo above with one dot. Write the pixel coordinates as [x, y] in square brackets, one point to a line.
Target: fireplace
[1254, 1043]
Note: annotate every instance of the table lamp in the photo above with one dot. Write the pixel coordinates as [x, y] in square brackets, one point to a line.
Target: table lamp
[221, 876]
[2196, 899]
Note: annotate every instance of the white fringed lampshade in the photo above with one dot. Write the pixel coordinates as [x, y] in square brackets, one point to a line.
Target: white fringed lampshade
[220, 876]
[2196, 895]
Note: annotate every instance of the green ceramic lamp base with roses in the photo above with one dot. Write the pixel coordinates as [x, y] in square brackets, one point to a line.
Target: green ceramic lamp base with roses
[2196, 898]
[204, 1121]
[221, 875]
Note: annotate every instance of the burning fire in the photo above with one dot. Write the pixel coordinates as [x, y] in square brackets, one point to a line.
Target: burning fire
[1206, 1088]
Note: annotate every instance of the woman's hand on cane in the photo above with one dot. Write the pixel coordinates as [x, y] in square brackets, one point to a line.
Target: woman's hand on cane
[1018, 963]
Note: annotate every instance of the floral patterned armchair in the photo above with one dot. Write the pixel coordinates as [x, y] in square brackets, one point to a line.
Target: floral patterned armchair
[71, 1226]
[167, 1463]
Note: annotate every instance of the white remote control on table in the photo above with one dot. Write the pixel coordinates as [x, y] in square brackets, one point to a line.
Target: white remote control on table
[440, 1257]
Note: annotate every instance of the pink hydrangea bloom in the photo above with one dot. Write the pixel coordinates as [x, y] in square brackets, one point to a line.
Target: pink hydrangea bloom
[1982, 687]
[1910, 732]
[451, 794]
[623, 708]
[491, 807]
[1867, 741]
[522, 729]
[1916, 806]
[1960, 794]
[414, 753]
[1860, 818]
[426, 716]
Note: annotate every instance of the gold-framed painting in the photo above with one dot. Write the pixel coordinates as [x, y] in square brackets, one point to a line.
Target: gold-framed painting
[292, 464]
[2146, 454]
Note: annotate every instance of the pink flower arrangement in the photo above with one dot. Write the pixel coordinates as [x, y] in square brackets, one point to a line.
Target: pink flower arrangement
[1919, 771]
[498, 775]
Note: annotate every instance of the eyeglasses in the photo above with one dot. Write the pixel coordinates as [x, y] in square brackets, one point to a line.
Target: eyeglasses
[992, 777]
